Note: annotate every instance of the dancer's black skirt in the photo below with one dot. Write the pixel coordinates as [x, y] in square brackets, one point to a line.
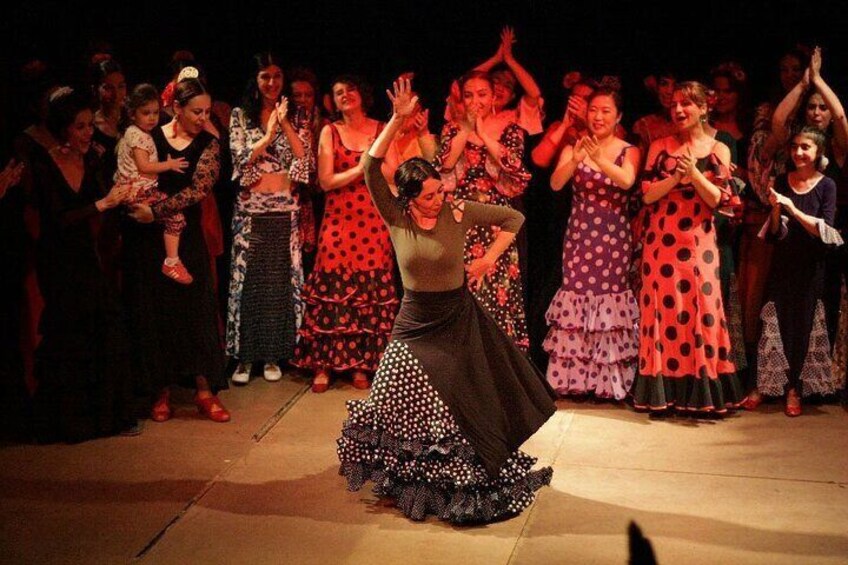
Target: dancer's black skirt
[452, 401]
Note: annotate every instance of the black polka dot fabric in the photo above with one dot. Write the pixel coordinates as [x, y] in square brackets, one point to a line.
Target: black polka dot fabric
[404, 439]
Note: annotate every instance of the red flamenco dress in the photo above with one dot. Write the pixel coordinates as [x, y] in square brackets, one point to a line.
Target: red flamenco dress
[685, 357]
[350, 299]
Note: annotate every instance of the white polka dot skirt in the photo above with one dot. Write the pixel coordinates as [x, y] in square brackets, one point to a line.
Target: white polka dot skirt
[404, 439]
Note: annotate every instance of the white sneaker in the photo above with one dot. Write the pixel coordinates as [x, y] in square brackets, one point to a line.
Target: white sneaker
[242, 374]
[272, 372]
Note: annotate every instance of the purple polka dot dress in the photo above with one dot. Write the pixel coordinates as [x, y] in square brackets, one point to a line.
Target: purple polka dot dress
[593, 318]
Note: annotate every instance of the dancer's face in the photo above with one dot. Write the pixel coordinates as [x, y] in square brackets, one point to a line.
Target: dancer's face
[503, 89]
[684, 112]
[665, 91]
[477, 94]
[194, 115]
[603, 116]
[346, 97]
[727, 99]
[303, 94]
[113, 90]
[78, 135]
[269, 81]
[429, 203]
[804, 151]
[817, 113]
[791, 71]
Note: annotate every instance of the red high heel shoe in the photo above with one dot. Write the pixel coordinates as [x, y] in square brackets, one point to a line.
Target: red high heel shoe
[207, 407]
[161, 410]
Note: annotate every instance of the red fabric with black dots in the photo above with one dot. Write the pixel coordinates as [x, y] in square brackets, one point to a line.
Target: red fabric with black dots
[683, 327]
[349, 296]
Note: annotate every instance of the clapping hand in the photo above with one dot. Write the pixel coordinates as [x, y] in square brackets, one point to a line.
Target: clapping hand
[579, 152]
[576, 108]
[685, 165]
[282, 109]
[403, 100]
[591, 147]
[507, 41]
[815, 64]
[421, 121]
[777, 199]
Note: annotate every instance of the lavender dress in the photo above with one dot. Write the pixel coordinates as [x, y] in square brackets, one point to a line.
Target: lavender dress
[593, 318]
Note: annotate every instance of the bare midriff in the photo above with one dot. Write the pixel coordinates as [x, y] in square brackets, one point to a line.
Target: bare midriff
[273, 182]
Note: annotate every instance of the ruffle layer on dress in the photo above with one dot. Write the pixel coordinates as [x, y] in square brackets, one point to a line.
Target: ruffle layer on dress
[688, 393]
[347, 321]
[773, 367]
[404, 439]
[593, 343]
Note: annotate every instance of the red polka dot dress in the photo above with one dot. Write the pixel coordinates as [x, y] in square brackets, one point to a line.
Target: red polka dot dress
[350, 294]
[685, 357]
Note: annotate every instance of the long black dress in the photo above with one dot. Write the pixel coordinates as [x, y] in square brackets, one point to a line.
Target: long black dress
[174, 327]
[794, 349]
[82, 363]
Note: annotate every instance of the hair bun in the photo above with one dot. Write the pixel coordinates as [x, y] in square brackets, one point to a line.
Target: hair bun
[823, 163]
[610, 82]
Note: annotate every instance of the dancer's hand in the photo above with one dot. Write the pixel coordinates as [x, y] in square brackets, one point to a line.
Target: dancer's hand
[576, 108]
[403, 100]
[592, 147]
[579, 151]
[815, 65]
[119, 194]
[421, 122]
[177, 165]
[507, 41]
[477, 270]
[282, 109]
[685, 165]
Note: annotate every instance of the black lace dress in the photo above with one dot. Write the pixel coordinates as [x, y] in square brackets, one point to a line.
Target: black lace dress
[174, 327]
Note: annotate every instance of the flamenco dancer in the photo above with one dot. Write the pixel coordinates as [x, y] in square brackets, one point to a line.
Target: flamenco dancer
[453, 397]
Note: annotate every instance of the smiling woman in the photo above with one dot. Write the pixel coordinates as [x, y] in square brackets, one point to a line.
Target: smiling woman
[82, 366]
[175, 327]
[265, 308]
[685, 357]
[350, 300]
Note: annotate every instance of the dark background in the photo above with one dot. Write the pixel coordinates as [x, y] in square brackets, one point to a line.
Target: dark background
[439, 40]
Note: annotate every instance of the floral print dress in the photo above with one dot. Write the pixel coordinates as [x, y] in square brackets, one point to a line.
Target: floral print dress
[477, 177]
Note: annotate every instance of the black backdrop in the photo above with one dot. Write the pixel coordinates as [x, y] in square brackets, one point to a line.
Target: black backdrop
[437, 39]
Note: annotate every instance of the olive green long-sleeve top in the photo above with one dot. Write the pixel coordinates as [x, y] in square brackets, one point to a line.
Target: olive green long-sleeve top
[432, 260]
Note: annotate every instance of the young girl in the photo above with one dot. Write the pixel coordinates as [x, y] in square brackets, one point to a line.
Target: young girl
[794, 349]
[138, 164]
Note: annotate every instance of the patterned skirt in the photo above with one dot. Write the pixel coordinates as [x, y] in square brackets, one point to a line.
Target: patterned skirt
[266, 277]
[425, 441]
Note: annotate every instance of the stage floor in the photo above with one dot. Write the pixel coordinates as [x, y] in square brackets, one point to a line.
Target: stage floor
[754, 488]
